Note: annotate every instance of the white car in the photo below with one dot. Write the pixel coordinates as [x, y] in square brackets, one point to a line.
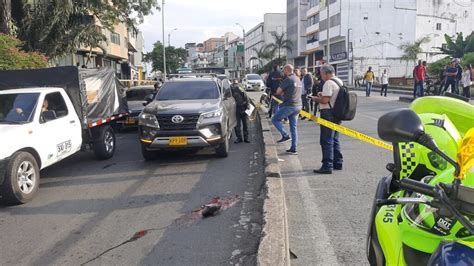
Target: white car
[253, 82]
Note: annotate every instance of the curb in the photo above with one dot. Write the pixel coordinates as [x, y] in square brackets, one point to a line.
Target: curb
[274, 244]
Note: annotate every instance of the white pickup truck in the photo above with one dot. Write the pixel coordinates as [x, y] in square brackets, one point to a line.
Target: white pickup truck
[40, 126]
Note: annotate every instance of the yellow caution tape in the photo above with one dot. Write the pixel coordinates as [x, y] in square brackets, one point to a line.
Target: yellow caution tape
[343, 130]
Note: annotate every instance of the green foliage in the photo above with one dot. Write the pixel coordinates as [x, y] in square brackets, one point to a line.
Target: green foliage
[11, 57]
[458, 47]
[263, 53]
[279, 44]
[175, 57]
[436, 67]
[468, 59]
[411, 50]
[59, 27]
[269, 66]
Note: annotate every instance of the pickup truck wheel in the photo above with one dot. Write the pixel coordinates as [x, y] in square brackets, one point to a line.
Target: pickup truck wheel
[223, 149]
[149, 155]
[21, 179]
[104, 144]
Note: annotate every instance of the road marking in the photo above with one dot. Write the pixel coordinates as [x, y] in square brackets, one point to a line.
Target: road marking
[323, 250]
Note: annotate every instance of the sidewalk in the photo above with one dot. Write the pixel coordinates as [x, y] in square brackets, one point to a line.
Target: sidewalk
[328, 214]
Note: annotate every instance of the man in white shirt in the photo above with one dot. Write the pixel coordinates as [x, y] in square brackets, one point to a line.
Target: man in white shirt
[384, 83]
[329, 139]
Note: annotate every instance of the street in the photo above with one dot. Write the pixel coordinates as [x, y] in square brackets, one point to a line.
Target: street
[86, 207]
[328, 214]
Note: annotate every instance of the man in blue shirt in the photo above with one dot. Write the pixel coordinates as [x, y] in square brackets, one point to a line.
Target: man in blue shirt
[451, 73]
[273, 82]
[290, 90]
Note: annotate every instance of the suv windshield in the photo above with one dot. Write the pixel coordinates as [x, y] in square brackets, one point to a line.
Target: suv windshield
[188, 90]
[17, 107]
[253, 77]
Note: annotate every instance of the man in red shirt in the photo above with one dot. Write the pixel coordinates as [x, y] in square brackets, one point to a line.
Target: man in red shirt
[419, 73]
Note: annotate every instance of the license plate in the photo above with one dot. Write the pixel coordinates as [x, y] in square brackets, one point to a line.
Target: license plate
[63, 147]
[178, 141]
[131, 120]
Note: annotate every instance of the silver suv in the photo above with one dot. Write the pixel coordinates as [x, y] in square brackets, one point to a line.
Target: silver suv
[188, 113]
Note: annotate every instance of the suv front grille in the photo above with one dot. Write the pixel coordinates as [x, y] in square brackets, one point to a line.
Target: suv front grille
[189, 122]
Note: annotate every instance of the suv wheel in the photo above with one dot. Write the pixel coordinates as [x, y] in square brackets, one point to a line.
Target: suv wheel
[223, 149]
[21, 179]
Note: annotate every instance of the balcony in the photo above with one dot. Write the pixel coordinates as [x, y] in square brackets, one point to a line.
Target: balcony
[312, 11]
[312, 29]
[310, 46]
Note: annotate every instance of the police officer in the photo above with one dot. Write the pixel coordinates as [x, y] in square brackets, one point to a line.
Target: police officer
[242, 104]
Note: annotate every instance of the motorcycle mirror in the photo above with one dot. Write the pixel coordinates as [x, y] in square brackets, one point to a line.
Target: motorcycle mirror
[401, 125]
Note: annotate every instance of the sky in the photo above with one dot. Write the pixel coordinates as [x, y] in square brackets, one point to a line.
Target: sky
[198, 20]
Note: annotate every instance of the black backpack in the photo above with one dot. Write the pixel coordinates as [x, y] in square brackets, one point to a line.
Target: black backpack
[345, 106]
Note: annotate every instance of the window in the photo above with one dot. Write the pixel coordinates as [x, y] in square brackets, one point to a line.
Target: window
[188, 90]
[313, 20]
[54, 102]
[17, 108]
[313, 3]
[313, 38]
[438, 26]
[115, 38]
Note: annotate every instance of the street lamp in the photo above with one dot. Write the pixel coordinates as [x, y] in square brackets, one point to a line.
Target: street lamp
[169, 36]
[243, 37]
[163, 31]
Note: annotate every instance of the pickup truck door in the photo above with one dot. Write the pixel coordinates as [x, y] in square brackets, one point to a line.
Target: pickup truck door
[59, 130]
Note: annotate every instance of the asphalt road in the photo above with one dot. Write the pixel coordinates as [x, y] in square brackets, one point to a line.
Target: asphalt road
[328, 214]
[86, 207]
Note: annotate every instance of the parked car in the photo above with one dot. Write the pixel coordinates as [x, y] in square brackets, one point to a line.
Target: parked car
[253, 82]
[136, 103]
[188, 113]
[67, 110]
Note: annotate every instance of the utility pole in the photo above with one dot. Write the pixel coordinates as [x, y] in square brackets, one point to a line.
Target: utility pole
[328, 55]
[243, 37]
[163, 29]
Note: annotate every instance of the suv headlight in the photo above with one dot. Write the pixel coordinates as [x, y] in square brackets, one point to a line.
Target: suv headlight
[149, 120]
[216, 113]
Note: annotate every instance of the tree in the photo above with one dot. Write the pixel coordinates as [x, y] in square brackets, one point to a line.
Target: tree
[279, 44]
[5, 16]
[175, 57]
[11, 57]
[411, 50]
[58, 27]
[262, 53]
[458, 47]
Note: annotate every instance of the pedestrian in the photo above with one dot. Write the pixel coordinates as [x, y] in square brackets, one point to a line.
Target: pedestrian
[290, 89]
[329, 139]
[384, 83]
[451, 74]
[419, 73]
[314, 92]
[466, 81]
[369, 78]
[242, 103]
[458, 74]
[273, 82]
[306, 87]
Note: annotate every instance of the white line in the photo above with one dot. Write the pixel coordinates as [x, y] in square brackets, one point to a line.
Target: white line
[323, 249]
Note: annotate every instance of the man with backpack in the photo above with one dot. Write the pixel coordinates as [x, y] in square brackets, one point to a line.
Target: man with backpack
[335, 104]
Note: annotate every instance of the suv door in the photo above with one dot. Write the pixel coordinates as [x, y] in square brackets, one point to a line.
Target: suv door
[229, 103]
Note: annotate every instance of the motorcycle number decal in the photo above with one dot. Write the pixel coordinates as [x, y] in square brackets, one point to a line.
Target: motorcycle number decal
[388, 215]
[63, 148]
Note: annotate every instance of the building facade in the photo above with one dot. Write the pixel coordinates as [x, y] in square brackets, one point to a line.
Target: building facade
[365, 33]
[296, 22]
[260, 36]
[212, 43]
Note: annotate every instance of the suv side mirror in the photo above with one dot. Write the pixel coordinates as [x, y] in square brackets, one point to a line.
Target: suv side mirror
[402, 125]
[148, 99]
[48, 115]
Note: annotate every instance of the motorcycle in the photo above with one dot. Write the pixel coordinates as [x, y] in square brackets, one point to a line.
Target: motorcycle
[422, 212]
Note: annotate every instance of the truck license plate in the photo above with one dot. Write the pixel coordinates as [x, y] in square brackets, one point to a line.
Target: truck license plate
[178, 141]
[63, 147]
[131, 120]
